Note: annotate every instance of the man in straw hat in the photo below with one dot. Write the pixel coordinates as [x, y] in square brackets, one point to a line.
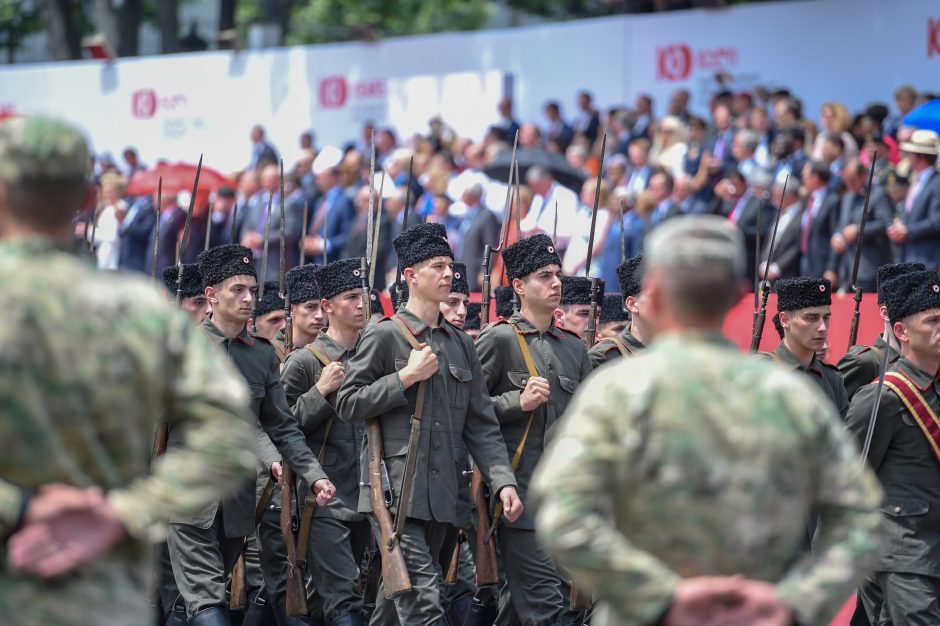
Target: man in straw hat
[917, 229]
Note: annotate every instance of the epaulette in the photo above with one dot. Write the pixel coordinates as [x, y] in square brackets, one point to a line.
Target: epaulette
[384, 319]
[612, 346]
[501, 320]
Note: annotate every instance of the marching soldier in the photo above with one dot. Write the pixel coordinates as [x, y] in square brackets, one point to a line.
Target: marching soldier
[803, 305]
[471, 324]
[531, 368]
[307, 314]
[574, 310]
[904, 453]
[457, 417]
[454, 308]
[204, 546]
[681, 499]
[633, 338]
[270, 318]
[614, 318]
[90, 360]
[503, 295]
[191, 290]
[311, 379]
[861, 364]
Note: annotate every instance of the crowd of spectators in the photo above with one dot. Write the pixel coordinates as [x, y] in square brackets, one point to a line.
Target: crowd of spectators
[753, 153]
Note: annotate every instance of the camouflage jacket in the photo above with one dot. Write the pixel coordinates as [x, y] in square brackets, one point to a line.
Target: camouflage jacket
[90, 362]
[692, 460]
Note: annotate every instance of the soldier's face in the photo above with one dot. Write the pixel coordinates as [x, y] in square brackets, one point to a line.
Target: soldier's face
[454, 309]
[197, 307]
[432, 279]
[234, 299]
[309, 317]
[575, 317]
[269, 323]
[346, 308]
[807, 329]
[921, 332]
[542, 288]
[611, 329]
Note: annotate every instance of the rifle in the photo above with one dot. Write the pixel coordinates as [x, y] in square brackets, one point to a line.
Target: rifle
[487, 569]
[874, 409]
[853, 330]
[595, 282]
[156, 231]
[303, 234]
[264, 266]
[453, 567]
[516, 304]
[231, 233]
[296, 596]
[238, 596]
[282, 284]
[761, 316]
[756, 271]
[488, 249]
[375, 235]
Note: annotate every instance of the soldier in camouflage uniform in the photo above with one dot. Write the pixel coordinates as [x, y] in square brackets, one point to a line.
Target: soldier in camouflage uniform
[633, 338]
[527, 407]
[679, 481]
[90, 362]
[803, 306]
[381, 382]
[191, 290]
[311, 378]
[861, 364]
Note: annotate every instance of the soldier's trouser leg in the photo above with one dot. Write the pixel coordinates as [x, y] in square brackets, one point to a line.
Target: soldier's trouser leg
[333, 565]
[254, 579]
[202, 559]
[531, 576]
[860, 615]
[273, 553]
[420, 546]
[909, 599]
[166, 583]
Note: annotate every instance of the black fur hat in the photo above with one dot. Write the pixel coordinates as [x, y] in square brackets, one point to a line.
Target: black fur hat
[798, 293]
[460, 284]
[421, 242]
[576, 290]
[529, 254]
[911, 293]
[612, 309]
[301, 283]
[398, 294]
[192, 281]
[503, 296]
[472, 321]
[630, 275]
[270, 300]
[893, 270]
[221, 262]
[340, 276]
[375, 297]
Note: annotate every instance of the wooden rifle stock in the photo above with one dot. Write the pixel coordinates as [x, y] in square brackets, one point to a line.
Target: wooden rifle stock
[238, 596]
[296, 597]
[485, 551]
[451, 577]
[853, 330]
[760, 317]
[395, 576]
[160, 438]
[579, 599]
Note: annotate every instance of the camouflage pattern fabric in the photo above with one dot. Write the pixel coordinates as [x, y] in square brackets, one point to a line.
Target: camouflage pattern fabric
[692, 459]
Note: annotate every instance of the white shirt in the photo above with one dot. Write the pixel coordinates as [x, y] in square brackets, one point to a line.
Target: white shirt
[541, 215]
[108, 237]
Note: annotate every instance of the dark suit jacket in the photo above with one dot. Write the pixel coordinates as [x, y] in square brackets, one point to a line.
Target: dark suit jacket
[483, 229]
[787, 245]
[821, 257]
[589, 129]
[171, 229]
[356, 246]
[136, 233]
[254, 215]
[876, 247]
[756, 217]
[923, 225]
[339, 220]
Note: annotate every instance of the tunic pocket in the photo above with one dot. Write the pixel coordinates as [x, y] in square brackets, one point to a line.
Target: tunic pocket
[458, 384]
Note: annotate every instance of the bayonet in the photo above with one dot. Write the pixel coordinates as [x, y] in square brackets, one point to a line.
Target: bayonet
[184, 239]
[264, 264]
[303, 230]
[595, 282]
[231, 234]
[859, 241]
[378, 227]
[156, 230]
[757, 332]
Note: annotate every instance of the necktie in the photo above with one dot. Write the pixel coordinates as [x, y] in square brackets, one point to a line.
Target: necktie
[807, 224]
[912, 193]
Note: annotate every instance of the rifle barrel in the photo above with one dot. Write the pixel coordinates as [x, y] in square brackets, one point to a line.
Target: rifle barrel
[597, 201]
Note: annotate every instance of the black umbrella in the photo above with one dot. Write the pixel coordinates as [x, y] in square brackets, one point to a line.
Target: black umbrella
[554, 163]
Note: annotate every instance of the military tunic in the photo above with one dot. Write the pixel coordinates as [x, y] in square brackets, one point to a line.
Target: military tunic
[458, 416]
[825, 376]
[340, 532]
[908, 572]
[607, 350]
[862, 364]
[655, 476]
[538, 592]
[90, 362]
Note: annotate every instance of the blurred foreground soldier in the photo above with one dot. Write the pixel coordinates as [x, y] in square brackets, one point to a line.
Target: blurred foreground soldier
[270, 318]
[803, 306]
[454, 308]
[614, 319]
[682, 499]
[90, 361]
[633, 338]
[904, 453]
[861, 364]
[191, 290]
[574, 311]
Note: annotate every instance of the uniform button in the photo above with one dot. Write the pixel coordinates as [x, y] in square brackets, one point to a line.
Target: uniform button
[437, 398]
[437, 424]
[362, 484]
[437, 446]
[897, 509]
[434, 471]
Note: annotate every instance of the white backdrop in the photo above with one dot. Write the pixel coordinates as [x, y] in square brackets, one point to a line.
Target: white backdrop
[177, 106]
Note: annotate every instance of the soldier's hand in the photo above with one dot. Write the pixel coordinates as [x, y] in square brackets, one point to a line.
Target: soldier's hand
[276, 470]
[759, 606]
[512, 504]
[422, 364]
[331, 378]
[704, 600]
[535, 394]
[324, 490]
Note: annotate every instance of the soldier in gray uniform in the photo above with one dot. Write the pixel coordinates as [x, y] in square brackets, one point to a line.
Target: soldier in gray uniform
[503, 295]
[270, 318]
[528, 405]
[311, 378]
[614, 318]
[861, 364]
[382, 381]
[191, 290]
[905, 453]
[204, 546]
[634, 337]
[803, 305]
[574, 310]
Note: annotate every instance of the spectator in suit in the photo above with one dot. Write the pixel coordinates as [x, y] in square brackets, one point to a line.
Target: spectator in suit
[549, 197]
[723, 135]
[905, 99]
[172, 220]
[679, 105]
[136, 232]
[642, 118]
[640, 170]
[661, 187]
[335, 212]
[754, 215]
[833, 155]
[876, 248]
[557, 133]
[760, 124]
[743, 149]
[819, 222]
[787, 152]
[917, 228]
[478, 228]
[262, 152]
[507, 121]
[786, 261]
[588, 121]
[133, 162]
[356, 242]
[530, 137]
[221, 216]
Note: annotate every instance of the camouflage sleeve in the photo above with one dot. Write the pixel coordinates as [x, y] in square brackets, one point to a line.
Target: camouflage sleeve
[11, 502]
[846, 545]
[573, 488]
[207, 400]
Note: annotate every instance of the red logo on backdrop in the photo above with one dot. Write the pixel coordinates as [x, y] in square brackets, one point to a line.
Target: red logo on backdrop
[144, 104]
[933, 38]
[673, 62]
[333, 92]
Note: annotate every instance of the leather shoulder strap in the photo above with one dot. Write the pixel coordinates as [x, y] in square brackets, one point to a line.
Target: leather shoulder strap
[325, 360]
[321, 356]
[526, 354]
[410, 338]
[624, 351]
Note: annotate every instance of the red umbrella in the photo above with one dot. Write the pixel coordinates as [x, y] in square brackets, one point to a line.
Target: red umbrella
[177, 177]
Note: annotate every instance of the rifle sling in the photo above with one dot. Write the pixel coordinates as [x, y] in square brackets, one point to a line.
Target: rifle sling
[624, 351]
[325, 360]
[303, 533]
[530, 365]
[411, 458]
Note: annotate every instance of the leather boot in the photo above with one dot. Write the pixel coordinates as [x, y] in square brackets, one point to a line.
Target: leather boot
[214, 616]
[349, 619]
[259, 614]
